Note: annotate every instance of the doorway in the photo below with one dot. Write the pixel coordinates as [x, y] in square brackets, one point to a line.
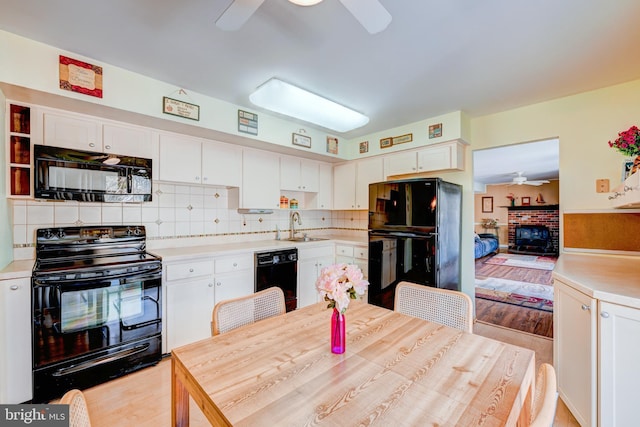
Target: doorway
[510, 183]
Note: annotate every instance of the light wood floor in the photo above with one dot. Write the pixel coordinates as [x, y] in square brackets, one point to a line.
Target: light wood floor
[524, 319]
[144, 398]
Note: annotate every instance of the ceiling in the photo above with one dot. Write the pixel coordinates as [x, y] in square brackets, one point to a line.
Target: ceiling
[536, 160]
[435, 56]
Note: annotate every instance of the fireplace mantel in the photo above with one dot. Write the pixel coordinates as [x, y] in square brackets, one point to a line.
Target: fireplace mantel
[533, 208]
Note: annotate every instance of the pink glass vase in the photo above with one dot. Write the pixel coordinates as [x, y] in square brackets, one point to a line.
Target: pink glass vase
[338, 332]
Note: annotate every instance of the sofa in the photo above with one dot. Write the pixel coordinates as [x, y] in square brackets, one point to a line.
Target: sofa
[486, 243]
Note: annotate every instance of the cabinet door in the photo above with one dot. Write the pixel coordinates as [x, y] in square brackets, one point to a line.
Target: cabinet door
[325, 186]
[434, 158]
[400, 163]
[368, 171]
[309, 178]
[180, 158]
[127, 140]
[221, 164]
[72, 132]
[15, 341]
[574, 351]
[290, 173]
[344, 189]
[189, 308]
[308, 272]
[234, 285]
[619, 351]
[260, 184]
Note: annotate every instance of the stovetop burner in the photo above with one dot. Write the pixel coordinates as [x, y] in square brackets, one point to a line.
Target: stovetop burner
[72, 253]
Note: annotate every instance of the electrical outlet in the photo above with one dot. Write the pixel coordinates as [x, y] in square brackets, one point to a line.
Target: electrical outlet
[602, 185]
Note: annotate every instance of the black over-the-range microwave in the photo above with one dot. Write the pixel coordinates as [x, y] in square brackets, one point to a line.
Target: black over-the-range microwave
[69, 174]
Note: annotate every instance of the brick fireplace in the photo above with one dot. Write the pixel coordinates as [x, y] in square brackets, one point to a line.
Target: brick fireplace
[540, 217]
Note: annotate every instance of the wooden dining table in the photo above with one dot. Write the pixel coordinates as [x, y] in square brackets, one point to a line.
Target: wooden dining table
[397, 370]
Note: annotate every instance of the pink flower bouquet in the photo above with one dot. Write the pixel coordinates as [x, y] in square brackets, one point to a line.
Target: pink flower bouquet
[339, 283]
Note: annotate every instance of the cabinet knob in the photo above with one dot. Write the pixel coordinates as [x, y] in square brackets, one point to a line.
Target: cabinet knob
[197, 178]
[91, 144]
[191, 270]
[211, 285]
[218, 283]
[204, 178]
[235, 264]
[107, 147]
[585, 307]
[14, 287]
[604, 314]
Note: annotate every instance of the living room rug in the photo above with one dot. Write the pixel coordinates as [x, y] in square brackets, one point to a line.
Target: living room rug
[530, 295]
[524, 261]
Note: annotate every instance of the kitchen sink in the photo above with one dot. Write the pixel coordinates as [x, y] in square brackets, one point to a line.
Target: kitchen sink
[306, 239]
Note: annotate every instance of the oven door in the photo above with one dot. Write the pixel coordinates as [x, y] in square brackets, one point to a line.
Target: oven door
[75, 318]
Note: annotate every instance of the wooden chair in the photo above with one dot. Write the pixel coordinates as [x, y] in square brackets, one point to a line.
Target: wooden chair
[78, 411]
[231, 314]
[543, 410]
[449, 308]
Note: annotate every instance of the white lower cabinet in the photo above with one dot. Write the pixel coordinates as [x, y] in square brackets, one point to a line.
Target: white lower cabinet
[189, 288]
[194, 287]
[619, 353]
[596, 353]
[574, 351]
[15, 341]
[354, 254]
[234, 276]
[310, 262]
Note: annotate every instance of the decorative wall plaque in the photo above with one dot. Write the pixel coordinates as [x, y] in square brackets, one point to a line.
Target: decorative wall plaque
[81, 77]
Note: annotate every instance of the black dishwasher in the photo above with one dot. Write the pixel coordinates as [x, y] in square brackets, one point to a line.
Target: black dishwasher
[279, 268]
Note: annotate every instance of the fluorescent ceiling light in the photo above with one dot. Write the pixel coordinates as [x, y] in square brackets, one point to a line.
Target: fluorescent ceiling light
[283, 98]
[305, 2]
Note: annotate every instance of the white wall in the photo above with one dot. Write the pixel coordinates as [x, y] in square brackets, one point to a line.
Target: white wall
[34, 65]
[5, 218]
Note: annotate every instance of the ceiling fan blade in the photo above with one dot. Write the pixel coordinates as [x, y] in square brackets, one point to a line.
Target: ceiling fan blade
[238, 12]
[370, 13]
[536, 183]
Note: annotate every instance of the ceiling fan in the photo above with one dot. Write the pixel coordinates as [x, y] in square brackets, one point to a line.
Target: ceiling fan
[520, 179]
[370, 13]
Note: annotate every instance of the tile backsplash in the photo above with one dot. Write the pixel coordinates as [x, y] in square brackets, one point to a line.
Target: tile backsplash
[177, 212]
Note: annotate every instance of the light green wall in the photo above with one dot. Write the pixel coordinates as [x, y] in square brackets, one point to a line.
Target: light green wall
[584, 123]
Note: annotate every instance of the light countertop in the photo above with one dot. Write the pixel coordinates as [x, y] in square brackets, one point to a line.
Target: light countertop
[17, 269]
[23, 268]
[614, 279]
[174, 254]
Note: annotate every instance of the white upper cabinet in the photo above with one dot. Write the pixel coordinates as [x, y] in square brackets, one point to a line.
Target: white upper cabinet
[298, 174]
[72, 132]
[221, 164]
[325, 187]
[127, 140]
[444, 156]
[198, 161]
[260, 184]
[344, 189]
[89, 134]
[351, 183]
[180, 158]
[367, 172]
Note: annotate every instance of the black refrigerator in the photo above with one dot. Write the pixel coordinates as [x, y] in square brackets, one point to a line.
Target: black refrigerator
[414, 235]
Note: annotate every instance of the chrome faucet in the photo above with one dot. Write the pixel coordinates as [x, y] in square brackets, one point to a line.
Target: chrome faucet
[293, 217]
